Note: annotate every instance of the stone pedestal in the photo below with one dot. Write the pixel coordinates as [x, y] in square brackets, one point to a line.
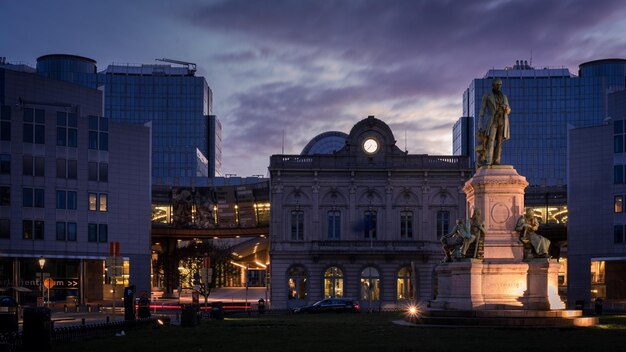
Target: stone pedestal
[498, 192]
[502, 280]
[498, 286]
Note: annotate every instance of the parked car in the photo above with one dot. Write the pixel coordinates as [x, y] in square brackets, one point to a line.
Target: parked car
[336, 305]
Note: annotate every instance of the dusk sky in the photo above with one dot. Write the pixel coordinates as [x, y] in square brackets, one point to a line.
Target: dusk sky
[307, 67]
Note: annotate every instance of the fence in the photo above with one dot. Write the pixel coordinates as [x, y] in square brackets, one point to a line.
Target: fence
[12, 342]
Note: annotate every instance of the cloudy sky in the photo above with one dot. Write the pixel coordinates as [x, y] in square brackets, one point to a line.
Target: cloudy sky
[310, 66]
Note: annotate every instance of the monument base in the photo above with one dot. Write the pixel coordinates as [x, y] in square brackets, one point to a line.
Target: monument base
[498, 286]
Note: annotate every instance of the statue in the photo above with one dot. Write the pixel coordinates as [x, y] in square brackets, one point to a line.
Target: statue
[454, 242]
[496, 130]
[477, 230]
[526, 226]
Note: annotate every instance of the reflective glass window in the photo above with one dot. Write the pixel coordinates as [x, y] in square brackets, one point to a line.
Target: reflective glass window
[61, 199]
[334, 225]
[71, 231]
[369, 224]
[71, 200]
[297, 225]
[27, 165]
[27, 229]
[92, 171]
[5, 164]
[5, 196]
[92, 232]
[618, 234]
[61, 235]
[406, 224]
[103, 233]
[443, 223]
[103, 172]
[5, 228]
[27, 197]
[72, 169]
[38, 229]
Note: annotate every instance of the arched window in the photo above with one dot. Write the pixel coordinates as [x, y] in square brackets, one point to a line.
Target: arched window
[333, 282]
[297, 283]
[404, 284]
[370, 285]
[297, 225]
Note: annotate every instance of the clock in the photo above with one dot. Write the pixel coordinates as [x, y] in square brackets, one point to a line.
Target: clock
[370, 146]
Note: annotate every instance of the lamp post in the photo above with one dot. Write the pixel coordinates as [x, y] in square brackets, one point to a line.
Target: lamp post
[42, 262]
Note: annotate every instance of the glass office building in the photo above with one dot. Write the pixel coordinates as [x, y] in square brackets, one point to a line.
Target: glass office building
[543, 103]
[178, 103]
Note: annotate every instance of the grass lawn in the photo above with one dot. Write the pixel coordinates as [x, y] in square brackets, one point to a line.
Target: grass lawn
[355, 332]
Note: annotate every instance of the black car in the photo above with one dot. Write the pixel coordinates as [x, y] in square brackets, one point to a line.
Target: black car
[336, 305]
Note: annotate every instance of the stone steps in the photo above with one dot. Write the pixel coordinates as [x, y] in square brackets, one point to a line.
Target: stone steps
[504, 318]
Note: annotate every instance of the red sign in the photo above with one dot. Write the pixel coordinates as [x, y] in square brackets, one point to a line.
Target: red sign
[114, 249]
[48, 283]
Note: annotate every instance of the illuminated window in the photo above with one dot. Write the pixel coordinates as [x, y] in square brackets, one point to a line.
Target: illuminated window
[93, 201]
[370, 285]
[296, 283]
[598, 284]
[103, 202]
[404, 285]
[333, 283]
[618, 205]
[161, 213]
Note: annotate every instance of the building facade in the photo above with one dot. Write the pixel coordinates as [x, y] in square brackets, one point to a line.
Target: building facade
[596, 191]
[174, 99]
[362, 222]
[71, 182]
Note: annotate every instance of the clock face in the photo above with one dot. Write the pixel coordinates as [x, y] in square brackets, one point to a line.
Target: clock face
[370, 146]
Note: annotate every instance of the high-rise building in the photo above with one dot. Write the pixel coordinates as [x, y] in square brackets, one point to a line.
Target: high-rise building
[596, 193]
[186, 139]
[71, 181]
[543, 103]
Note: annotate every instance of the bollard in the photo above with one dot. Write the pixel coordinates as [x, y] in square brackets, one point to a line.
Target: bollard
[99, 307]
[77, 308]
[89, 308]
[65, 308]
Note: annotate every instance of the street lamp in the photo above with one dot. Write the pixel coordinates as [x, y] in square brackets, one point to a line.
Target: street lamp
[42, 262]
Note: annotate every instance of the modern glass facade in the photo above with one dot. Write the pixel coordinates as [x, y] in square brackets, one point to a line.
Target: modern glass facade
[176, 101]
[543, 102]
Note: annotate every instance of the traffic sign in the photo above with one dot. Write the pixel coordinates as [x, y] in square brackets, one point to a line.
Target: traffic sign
[48, 283]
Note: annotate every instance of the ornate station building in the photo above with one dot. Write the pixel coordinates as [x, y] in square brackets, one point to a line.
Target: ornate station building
[361, 221]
